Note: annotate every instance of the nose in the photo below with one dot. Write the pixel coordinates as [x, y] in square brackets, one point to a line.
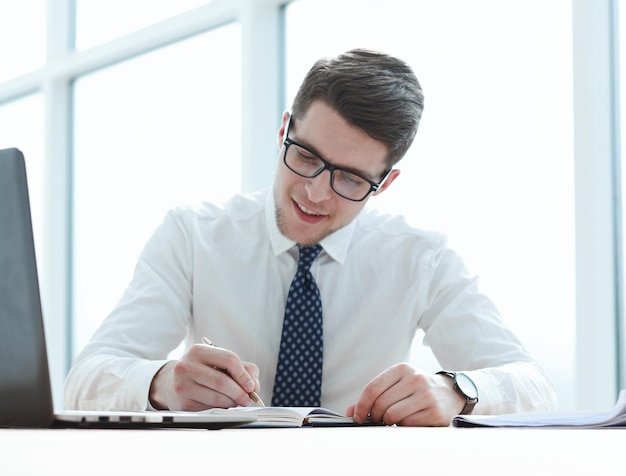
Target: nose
[318, 188]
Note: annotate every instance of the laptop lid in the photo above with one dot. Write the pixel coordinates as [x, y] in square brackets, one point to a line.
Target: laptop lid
[25, 393]
[25, 390]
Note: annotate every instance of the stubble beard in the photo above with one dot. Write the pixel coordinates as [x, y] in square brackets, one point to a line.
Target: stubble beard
[282, 222]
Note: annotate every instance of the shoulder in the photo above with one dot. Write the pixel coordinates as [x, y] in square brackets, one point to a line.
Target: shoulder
[395, 230]
[239, 208]
[393, 243]
[391, 240]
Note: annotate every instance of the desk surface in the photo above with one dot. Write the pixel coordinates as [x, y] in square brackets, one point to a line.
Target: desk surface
[319, 451]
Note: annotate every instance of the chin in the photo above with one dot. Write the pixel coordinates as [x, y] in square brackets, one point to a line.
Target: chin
[299, 234]
[305, 238]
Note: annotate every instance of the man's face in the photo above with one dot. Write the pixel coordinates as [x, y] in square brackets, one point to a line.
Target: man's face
[307, 209]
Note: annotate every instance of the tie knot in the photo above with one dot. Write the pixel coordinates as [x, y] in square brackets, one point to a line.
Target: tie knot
[307, 255]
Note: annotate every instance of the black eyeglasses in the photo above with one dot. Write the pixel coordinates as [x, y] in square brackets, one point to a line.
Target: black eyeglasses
[305, 163]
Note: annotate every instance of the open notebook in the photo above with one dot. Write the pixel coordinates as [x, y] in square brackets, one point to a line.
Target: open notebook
[25, 390]
[286, 417]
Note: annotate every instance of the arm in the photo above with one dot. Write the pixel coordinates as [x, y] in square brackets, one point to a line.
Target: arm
[466, 333]
[405, 395]
[115, 368]
[115, 371]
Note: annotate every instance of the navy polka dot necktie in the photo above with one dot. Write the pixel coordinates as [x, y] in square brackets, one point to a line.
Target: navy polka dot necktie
[298, 380]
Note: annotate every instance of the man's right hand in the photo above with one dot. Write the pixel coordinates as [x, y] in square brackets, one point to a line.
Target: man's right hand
[204, 377]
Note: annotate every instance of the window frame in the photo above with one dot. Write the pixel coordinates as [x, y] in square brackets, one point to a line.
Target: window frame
[600, 326]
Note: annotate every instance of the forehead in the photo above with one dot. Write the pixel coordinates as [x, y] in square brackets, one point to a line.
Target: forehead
[329, 135]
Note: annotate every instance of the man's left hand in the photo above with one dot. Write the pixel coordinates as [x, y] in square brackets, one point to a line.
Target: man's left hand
[406, 396]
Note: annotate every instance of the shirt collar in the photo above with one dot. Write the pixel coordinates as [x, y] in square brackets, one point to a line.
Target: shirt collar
[336, 244]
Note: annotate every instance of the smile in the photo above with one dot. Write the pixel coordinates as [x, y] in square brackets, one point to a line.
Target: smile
[307, 211]
[308, 216]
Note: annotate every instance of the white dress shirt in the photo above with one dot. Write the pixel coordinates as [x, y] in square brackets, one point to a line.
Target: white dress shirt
[224, 272]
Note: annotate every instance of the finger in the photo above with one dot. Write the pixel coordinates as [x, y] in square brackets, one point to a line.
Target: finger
[192, 389]
[383, 403]
[411, 413]
[199, 397]
[412, 401]
[253, 370]
[221, 382]
[406, 411]
[404, 397]
[394, 385]
[229, 361]
[196, 367]
[366, 405]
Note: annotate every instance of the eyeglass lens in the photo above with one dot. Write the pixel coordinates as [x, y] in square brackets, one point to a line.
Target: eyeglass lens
[306, 164]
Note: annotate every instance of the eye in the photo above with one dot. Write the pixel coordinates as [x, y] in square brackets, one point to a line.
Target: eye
[348, 179]
[305, 155]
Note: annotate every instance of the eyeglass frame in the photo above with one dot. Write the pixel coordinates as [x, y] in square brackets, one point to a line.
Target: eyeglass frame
[287, 142]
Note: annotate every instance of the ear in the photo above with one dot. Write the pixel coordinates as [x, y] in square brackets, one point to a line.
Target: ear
[281, 132]
[390, 178]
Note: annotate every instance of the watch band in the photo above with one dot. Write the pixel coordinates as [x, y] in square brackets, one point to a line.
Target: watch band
[465, 387]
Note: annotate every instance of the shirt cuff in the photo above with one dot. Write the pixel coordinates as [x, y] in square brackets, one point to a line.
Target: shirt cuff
[140, 379]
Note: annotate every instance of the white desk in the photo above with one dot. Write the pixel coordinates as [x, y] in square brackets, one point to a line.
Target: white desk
[367, 451]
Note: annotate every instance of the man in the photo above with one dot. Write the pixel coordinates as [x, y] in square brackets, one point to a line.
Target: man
[226, 273]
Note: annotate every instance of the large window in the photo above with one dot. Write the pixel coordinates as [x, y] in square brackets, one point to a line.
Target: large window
[21, 124]
[127, 108]
[22, 36]
[150, 133]
[492, 165]
[99, 22]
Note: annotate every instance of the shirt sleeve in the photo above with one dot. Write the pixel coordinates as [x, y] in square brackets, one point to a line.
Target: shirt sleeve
[115, 369]
[466, 333]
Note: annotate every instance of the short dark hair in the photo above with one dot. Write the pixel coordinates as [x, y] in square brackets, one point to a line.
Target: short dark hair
[373, 91]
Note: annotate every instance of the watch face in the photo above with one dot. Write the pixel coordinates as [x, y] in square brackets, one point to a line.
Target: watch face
[466, 386]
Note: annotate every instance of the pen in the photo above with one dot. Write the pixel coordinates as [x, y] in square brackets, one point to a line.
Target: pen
[255, 398]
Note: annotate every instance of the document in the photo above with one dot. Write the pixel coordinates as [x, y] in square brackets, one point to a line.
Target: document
[614, 418]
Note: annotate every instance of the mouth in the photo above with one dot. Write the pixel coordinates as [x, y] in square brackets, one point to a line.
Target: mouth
[306, 210]
[307, 215]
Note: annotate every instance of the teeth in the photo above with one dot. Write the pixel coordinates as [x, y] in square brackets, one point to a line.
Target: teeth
[307, 211]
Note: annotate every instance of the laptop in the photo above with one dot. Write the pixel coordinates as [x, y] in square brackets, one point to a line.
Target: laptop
[25, 388]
